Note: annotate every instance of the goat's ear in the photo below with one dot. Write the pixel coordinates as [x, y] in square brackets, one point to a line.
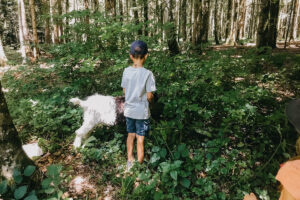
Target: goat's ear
[293, 113]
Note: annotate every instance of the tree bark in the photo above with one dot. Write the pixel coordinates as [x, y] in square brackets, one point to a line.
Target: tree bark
[294, 23]
[3, 58]
[34, 30]
[171, 32]
[145, 17]
[197, 20]
[136, 16]
[121, 10]
[205, 15]
[241, 27]
[267, 28]
[183, 19]
[110, 8]
[23, 32]
[216, 27]
[86, 7]
[229, 19]
[11, 152]
[59, 21]
[47, 22]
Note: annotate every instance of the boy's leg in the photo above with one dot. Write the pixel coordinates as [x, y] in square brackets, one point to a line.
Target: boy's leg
[142, 129]
[130, 143]
[131, 129]
[140, 148]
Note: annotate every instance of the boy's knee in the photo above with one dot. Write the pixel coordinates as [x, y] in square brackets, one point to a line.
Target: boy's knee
[140, 139]
[131, 136]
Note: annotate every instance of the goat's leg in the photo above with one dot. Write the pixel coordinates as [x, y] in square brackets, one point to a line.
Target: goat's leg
[83, 131]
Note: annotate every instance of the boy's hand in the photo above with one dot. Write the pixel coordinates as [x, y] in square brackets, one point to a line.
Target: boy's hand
[149, 96]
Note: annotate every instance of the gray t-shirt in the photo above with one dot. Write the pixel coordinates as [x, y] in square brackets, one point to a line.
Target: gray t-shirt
[137, 82]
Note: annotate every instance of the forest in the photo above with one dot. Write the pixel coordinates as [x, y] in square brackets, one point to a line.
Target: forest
[225, 71]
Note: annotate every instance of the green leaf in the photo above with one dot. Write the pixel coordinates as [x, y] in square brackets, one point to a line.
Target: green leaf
[155, 149]
[17, 176]
[3, 187]
[20, 192]
[174, 175]
[163, 153]
[185, 183]
[31, 197]
[88, 142]
[158, 195]
[29, 170]
[49, 190]
[154, 158]
[46, 183]
[54, 170]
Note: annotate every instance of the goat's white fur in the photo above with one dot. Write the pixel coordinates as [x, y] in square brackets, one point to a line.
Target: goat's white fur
[97, 109]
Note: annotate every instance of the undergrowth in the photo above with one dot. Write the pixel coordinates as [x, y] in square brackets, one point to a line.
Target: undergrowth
[222, 132]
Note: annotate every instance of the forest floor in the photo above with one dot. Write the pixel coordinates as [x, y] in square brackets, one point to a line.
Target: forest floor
[85, 178]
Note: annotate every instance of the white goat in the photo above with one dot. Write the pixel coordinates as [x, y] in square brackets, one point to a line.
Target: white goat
[97, 110]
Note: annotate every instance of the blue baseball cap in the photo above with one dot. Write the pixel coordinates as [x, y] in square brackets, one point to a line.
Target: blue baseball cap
[138, 48]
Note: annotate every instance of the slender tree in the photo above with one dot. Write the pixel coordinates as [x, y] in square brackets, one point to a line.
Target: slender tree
[46, 13]
[216, 27]
[136, 16]
[3, 58]
[121, 10]
[171, 32]
[267, 28]
[23, 31]
[229, 18]
[110, 8]
[34, 30]
[11, 152]
[241, 28]
[197, 20]
[205, 16]
[183, 19]
[294, 23]
[145, 17]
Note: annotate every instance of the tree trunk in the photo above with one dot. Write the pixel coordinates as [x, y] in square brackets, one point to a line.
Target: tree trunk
[293, 32]
[47, 22]
[11, 152]
[54, 29]
[274, 13]
[23, 32]
[229, 19]
[197, 21]
[145, 17]
[86, 7]
[96, 5]
[267, 28]
[241, 27]
[216, 28]
[35, 36]
[183, 18]
[110, 8]
[59, 21]
[205, 15]
[136, 16]
[289, 23]
[3, 58]
[121, 10]
[171, 32]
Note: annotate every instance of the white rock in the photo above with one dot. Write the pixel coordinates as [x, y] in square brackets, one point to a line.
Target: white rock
[32, 150]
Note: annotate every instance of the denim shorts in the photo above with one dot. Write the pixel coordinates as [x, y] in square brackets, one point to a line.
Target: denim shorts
[139, 126]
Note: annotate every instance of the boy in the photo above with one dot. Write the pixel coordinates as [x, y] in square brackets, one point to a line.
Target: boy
[138, 84]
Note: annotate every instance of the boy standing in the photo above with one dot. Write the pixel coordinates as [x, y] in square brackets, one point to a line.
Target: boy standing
[138, 84]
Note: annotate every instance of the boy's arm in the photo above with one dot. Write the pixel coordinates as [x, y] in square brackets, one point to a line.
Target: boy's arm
[123, 91]
[150, 87]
